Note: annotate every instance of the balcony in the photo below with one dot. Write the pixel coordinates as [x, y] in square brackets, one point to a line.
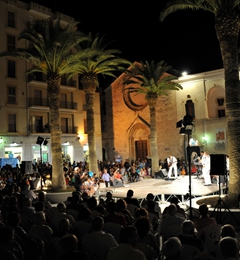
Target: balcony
[38, 102]
[39, 77]
[41, 102]
[68, 105]
[38, 129]
[69, 129]
[42, 129]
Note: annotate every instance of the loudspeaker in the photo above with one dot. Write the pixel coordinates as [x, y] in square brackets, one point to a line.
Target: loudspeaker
[26, 166]
[191, 149]
[117, 183]
[218, 164]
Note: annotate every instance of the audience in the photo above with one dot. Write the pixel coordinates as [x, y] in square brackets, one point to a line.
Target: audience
[204, 220]
[172, 248]
[53, 233]
[127, 248]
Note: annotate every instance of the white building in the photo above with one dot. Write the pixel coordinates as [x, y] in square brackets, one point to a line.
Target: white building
[24, 109]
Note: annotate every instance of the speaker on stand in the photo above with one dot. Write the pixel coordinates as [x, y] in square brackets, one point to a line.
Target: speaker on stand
[26, 167]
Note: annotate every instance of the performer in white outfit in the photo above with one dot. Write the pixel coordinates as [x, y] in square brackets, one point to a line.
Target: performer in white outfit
[172, 165]
[206, 169]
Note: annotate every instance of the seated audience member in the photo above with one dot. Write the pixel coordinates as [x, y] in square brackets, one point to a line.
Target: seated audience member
[109, 198]
[154, 215]
[112, 216]
[227, 230]
[172, 248]
[28, 193]
[204, 220]
[126, 249]
[35, 247]
[71, 248]
[229, 248]
[130, 200]
[75, 202]
[9, 248]
[121, 208]
[42, 197]
[40, 230]
[180, 211]
[103, 241]
[188, 235]
[145, 235]
[150, 196]
[61, 213]
[171, 221]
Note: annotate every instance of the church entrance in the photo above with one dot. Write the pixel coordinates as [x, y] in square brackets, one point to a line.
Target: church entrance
[141, 149]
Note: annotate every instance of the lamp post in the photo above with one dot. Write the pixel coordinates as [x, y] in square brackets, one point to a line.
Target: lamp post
[41, 141]
[186, 125]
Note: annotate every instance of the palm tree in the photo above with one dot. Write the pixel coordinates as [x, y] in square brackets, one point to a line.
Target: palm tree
[227, 29]
[50, 52]
[104, 63]
[151, 80]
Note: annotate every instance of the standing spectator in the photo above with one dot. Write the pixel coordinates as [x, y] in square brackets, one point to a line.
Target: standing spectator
[78, 176]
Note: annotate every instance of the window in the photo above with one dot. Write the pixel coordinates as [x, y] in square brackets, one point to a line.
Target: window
[39, 124]
[11, 66]
[11, 95]
[64, 125]
[38, 97]
[221, 112]
[12, 123]
[63, 100]
[220, 108]
[11, 19]
[10, 42]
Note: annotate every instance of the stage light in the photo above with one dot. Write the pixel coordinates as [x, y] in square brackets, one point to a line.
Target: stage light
[182, 131]
[40, 140]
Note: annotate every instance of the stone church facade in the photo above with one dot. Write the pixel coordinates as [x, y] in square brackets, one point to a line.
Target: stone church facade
[126, 129]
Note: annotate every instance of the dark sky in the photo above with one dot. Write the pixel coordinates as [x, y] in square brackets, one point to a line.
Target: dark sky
[186, 40]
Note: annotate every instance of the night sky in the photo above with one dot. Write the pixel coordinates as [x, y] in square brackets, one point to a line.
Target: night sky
[186, 40]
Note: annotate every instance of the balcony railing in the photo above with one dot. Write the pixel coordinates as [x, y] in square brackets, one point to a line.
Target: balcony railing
[65, 130]
[39, 129]
[69, 129]
[69, 105]
[44, 102]
[42, 78]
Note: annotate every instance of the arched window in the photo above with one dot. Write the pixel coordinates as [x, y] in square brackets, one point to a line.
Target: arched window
[190, 109]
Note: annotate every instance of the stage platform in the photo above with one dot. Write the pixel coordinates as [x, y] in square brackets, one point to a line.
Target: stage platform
[163, 189]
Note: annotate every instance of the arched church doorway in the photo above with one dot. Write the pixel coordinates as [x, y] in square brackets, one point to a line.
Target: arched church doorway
[139, 141]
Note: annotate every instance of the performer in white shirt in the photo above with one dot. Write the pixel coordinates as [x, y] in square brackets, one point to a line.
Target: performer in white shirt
[172, 165]
[206, 169]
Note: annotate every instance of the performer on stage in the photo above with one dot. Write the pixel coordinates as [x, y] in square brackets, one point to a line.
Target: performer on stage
[172, 165]
[206, 169]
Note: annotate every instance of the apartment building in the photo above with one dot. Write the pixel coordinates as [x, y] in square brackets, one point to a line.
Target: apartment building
[24, 108]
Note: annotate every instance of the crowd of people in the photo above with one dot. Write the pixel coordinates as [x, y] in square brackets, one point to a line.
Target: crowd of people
[81, 227]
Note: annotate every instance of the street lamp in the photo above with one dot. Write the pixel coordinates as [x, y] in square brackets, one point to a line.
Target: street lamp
[186, 125]
[41, 141]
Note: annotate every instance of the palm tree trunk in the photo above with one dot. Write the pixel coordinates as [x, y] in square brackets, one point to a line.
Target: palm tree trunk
[89, 89]
[153, 137]
[227, 29]
[53, 88]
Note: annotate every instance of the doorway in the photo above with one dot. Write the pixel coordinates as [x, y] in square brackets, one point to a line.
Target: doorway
[141, 149]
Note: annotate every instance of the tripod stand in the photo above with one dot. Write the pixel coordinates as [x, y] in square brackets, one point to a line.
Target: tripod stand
[221, 205]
